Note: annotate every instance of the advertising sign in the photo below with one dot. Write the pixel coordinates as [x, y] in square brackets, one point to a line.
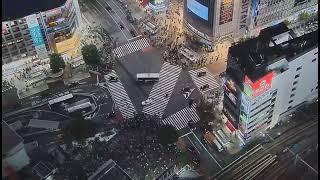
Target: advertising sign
[257, 88]
[157, 4]
[244, 13]
[36, 36]
[198, 9]
[226, 11]
[4, 28]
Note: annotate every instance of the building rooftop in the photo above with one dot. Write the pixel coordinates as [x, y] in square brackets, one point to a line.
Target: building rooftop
[14, 9]
[274, 43]
[10, 138]
[109, 170]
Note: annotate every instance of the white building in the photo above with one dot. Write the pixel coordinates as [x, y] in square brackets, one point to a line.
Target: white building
[14, 156]
[269, 76]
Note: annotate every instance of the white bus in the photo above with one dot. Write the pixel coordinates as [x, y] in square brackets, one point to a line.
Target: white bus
[147, 77]
[223, 136]
[219, 147]
[60, 99]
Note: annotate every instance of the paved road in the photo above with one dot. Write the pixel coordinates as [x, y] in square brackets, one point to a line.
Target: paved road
[208, 163]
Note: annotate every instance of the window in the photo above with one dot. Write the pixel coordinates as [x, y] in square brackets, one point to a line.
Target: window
[294, 83]
[293, 89]
[291, 95]
[313, 60]
[291, 101]
[298, 75]
[299, 68]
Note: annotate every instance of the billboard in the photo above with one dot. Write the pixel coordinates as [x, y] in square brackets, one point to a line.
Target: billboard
[36, 36]
[198, 9]
[230, 89]
[257, 88]
[4, 28]
[226, 11]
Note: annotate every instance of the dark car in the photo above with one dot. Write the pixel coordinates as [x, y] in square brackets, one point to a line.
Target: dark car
[204, 87]
[121, 26]
[200, 74]
[133, 33]
[185, 89]
[113, 79]
[108, 8]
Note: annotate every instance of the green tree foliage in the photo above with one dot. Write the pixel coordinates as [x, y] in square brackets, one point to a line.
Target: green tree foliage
[205, 111]
[167, 134]
[78, 129]
[286, 22]
[303, 17]
[182, 159]
[56, 62]
[90, 55]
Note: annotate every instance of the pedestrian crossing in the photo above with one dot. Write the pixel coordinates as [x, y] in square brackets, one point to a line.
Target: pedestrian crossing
[131, 47]
[120, 97]
[206, 79]
[180, 119]
[167, 79]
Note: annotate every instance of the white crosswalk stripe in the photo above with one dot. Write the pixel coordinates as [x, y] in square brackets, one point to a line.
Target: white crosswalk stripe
[167, 79]
[120, 97]
[131, 47]
[207, 79]
[181, 118]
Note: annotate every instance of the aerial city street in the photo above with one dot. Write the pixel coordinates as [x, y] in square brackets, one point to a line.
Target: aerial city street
[159, 89]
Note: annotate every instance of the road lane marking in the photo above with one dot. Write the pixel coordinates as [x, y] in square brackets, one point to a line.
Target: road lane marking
[113, 19]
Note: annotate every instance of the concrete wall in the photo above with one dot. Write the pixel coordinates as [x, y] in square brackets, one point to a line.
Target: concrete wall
[305, 88]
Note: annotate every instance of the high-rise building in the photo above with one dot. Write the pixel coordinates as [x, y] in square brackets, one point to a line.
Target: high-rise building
[269, 76]
[213, 20]
[210, 20]
[265, 13]
[36, 28]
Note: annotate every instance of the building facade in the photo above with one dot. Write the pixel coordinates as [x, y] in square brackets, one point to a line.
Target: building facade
[269, 76]
[37, 34]
[157, 6]
[14, 155]
[265, 13]
[213, 20]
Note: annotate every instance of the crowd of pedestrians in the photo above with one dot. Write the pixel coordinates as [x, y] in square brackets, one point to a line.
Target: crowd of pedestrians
[135, 148]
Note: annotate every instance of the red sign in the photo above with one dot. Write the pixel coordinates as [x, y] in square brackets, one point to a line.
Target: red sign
[260, 86]
[230, 126]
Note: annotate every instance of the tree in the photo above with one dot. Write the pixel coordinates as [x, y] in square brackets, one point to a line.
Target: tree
[56, 62]
[167, 134]
[182, 159]
[90, 55]
[205, 110]
[303, 17]
[78, 129]
[286, 22]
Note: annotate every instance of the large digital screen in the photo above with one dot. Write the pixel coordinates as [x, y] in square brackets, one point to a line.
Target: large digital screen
[198, 9]
[258, 87]
[36, 36]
